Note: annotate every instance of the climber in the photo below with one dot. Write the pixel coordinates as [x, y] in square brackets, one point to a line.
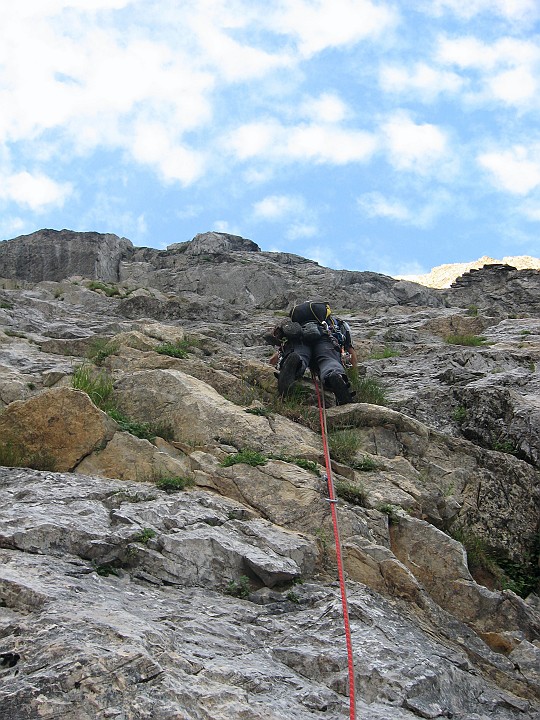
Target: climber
[314, 338]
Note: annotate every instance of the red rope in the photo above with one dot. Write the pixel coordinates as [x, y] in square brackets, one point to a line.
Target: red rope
[333, 506]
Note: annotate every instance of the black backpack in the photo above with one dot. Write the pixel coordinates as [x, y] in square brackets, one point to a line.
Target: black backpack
[310, 312]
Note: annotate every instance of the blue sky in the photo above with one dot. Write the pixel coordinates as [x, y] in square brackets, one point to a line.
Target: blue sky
[379, 135]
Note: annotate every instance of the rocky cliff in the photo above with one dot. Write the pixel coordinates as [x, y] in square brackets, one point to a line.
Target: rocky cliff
[166, 539]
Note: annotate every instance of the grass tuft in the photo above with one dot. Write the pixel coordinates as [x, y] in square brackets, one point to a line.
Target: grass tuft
[344, 444]
[175, 484]
[142, 430]
[100, 349]
[467, 340]
[108, 290]
[387, 352]
[249, 457]
[351, 493]
[97, 384]
[178, 349]
[368, 390]
[366, 464]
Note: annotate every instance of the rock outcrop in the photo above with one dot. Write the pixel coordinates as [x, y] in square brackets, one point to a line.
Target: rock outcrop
[58, 254]
[166, 543]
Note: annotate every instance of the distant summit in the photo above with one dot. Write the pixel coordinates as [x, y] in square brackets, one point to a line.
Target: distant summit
[443, 276]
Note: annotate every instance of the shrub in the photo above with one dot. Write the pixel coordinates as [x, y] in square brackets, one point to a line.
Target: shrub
[96, 384]
[298, 406]
[522, 578]
[249, 457]
[505, 446]
[145, 535]
[105, 570]
[368, 390]
[240, 589]
[470, 340]
[173, 484]
[351, 493]
[460, 414]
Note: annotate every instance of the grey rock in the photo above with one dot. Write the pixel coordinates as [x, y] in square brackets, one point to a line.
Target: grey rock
[55, 255]
[118, 599]
[96, 645]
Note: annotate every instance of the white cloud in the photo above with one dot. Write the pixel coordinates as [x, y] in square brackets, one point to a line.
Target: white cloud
[36, 191]
[419, 148]
[324, 255]
[11, 226]
[327, 108]
[324, 144]
[506, 70]
[154, 144]
[321, 24]
[276, 207]
[514, 87]
[299, 220]
[469, 52]
[531, 209]
[39, 8]
[423, 80]
[509, 9]
[376, 205]
[515, 170]
[232, 60]
[298, 231]
[410, 269]
[224, 226]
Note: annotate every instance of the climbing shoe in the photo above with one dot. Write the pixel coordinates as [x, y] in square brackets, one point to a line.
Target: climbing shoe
[340, 387]
[291, 370]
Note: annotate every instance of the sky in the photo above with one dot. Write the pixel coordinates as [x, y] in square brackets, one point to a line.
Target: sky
[382, 135]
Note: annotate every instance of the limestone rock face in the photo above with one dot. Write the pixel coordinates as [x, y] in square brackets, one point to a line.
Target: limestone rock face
[122, 595]
[55, 255]
[125, 579]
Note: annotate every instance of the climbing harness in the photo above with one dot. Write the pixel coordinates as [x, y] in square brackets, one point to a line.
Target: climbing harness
[333, 507]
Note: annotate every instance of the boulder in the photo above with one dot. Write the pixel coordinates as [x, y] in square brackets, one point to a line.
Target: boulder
[127, 457]
[199, 414]
[60, 426]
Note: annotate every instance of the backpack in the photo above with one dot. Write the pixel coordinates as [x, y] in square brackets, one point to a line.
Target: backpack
[310, 312]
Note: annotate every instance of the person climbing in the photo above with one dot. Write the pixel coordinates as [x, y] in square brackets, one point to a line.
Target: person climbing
[314, 338]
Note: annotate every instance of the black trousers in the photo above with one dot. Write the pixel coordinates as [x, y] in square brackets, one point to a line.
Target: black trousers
[321, 356]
